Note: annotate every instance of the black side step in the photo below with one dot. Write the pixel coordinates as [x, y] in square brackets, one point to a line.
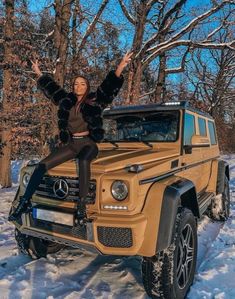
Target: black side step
[204, 201]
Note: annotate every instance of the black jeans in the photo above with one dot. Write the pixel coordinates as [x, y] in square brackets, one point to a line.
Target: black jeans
[83, 150]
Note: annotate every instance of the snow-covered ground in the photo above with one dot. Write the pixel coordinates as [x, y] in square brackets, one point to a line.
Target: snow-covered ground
[76, 274]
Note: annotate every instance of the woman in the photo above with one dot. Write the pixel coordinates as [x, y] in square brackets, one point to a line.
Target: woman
[80, 126]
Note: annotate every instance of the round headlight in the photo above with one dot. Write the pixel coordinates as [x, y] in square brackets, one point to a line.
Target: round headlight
[119, 190]
[26, 178]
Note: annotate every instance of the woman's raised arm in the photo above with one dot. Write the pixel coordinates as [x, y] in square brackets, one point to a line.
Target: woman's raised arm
[111, 85]
[124, 62]
[48, 86]
[35, 68]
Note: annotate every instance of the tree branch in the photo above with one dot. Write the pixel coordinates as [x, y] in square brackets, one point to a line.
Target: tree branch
[129, 17]
[92, 25]
[189, 43]
[169, 13]
[182, 66]
[155, 50]
[151, 2]
[146, 94]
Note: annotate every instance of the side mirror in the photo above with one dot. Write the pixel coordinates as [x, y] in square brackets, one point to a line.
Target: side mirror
[196, 141]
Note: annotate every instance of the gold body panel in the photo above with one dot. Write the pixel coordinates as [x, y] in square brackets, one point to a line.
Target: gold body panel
[163, 164]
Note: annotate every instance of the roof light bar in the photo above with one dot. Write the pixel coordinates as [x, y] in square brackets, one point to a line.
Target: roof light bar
[171, 103]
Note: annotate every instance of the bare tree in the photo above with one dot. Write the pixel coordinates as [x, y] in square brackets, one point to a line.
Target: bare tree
[214, 82]
[166, 31]
[5, 159]
[212, 73]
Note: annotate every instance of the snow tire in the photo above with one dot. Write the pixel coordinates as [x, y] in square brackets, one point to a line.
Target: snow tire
[35, 247]
[169, 273]
[220, 206]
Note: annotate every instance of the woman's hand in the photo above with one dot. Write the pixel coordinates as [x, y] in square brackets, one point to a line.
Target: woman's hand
[124, 62]
[36, 68]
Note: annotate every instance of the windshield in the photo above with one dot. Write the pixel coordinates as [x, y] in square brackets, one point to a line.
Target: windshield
[161, 126]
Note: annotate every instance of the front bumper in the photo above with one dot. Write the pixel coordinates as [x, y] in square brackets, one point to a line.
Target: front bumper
[105, 234]
[102, 234]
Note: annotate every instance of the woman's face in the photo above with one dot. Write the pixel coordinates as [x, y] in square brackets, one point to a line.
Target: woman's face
[80, 86]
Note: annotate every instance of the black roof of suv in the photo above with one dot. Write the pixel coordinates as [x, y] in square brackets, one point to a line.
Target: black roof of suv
[178, 105]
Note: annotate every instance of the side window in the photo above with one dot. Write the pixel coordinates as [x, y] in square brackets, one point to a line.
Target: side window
[211, 127]
[189, 128]
[202, 126]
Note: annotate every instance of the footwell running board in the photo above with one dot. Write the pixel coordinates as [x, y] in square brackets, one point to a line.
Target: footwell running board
[204, 201]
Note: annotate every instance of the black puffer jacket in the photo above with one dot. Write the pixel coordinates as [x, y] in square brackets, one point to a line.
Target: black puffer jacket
[91, 108]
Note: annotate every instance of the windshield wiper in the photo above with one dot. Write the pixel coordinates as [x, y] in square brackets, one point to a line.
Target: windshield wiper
[147, 143]
[112, 142]
[129, 139]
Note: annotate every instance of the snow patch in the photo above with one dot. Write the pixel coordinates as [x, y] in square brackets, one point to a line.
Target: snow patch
[74, 273]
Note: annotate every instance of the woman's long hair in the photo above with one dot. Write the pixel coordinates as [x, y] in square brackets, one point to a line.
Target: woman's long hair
[84, 97]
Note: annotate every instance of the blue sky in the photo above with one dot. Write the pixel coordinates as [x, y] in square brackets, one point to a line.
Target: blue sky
[114, 13]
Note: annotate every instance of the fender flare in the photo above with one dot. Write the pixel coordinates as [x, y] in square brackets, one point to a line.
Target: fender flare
[180, 193]
[223, 170]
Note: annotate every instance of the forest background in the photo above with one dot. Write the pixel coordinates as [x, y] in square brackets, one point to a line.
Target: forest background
[183, 50]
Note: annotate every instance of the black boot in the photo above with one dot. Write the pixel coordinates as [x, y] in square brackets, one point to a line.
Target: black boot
[24, 206]
[80, 215]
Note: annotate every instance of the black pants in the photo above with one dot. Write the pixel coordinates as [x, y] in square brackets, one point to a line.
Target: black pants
[83, 150]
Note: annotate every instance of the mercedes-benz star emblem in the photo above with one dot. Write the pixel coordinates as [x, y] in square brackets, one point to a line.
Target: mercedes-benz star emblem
[61, 188]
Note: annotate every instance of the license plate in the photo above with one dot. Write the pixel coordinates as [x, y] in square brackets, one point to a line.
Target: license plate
[55, 217]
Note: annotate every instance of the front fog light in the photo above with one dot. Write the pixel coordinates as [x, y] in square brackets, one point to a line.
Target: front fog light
[119, 190]
[25, 180]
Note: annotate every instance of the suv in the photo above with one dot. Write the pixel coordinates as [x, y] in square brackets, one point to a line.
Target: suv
[157, 172]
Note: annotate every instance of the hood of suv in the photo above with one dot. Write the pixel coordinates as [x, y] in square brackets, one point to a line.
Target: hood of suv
[115, 159]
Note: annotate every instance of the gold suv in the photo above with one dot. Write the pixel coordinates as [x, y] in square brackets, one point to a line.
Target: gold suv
[157, 172]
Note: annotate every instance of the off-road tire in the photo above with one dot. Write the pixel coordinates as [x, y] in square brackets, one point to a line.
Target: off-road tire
[220, 206]
[160, 271]
[35, 247]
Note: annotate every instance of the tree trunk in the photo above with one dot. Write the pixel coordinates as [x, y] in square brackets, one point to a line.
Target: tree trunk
[161, 80]
[5, 160]
[61, 38]
[74, 29]
[135, 71]
[134, 82]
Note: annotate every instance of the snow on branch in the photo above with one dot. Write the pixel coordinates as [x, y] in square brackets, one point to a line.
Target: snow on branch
[130, 18]
[193, 23]
[151, 2]
[207, 45]
[191, 44]
[166, 23]
[214, 32]
[174, 40]
[182, 66]
[50, 35]
[146, 94]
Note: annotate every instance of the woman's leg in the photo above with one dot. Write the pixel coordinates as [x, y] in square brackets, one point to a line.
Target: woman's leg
[57, 157]
[85, 157]
[83, 160]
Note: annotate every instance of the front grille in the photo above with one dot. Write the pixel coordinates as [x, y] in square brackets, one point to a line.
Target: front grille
[76, 231]
[45, 189]
[115, 236]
